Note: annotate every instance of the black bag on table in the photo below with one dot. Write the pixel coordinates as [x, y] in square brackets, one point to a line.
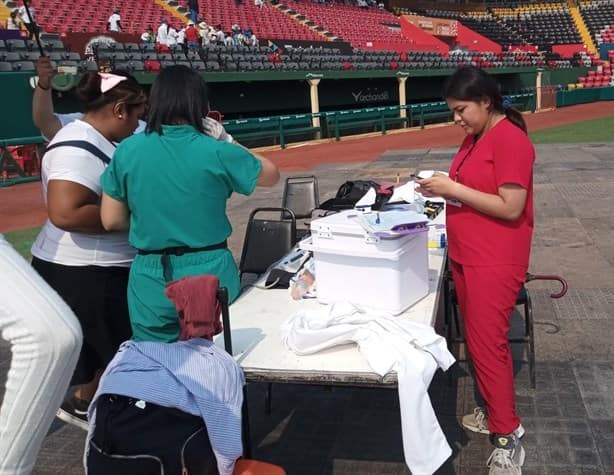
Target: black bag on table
[136, 437]
[348, 195]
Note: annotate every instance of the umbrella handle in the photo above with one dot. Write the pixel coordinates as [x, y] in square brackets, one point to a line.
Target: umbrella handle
[559, 279]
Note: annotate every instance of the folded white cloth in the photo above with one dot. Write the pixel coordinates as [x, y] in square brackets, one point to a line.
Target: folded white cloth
[388, 343]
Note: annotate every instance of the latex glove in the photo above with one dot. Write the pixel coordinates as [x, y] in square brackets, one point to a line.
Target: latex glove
[216, 130]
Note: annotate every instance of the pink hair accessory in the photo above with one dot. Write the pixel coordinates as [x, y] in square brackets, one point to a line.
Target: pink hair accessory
[109, 81]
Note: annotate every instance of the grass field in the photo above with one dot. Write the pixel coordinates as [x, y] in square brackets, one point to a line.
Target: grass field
[22, 240]
[596, 130]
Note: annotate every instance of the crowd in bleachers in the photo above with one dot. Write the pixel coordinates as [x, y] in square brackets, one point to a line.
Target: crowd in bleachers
[216, 43]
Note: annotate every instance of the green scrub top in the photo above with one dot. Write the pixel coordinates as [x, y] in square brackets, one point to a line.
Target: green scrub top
[176, 186]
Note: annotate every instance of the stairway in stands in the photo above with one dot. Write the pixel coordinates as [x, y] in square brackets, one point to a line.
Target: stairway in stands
[4, 14]
[304, 20]
[581, 26]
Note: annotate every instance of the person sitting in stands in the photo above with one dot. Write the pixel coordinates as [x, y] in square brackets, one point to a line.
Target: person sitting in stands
[148, 36]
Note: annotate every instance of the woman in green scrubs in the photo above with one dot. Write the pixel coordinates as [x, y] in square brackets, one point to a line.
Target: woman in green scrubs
[169, 187]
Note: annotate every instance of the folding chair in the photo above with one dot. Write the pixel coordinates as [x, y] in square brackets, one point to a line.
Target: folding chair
[301, 196]
[245, 466]
[452, 321]
[266, 240]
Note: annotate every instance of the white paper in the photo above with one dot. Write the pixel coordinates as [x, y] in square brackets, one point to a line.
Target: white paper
[368, 199]
[404, 192]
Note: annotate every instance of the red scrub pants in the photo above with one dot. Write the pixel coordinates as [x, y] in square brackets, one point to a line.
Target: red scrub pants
[486, 297]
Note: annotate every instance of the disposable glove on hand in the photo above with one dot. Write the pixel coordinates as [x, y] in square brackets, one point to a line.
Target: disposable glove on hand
[216, 130]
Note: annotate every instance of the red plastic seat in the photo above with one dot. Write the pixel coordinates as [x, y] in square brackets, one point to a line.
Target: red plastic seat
[254, 467]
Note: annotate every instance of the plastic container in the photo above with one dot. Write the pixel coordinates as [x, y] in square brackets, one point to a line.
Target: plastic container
[385, 274]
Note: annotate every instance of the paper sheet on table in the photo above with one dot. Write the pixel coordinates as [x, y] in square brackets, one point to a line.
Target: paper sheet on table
[404, 193]
[368, 199]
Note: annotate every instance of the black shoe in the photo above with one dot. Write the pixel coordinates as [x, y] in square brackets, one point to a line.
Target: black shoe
[74, 411]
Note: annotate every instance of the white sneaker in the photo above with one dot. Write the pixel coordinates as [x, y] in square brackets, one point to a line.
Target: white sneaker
[478, 422]
[508, 456]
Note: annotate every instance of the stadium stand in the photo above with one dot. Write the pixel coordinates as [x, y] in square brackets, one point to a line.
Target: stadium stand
[353, 24]
[599, 18]
[84, 15]
[540, 24]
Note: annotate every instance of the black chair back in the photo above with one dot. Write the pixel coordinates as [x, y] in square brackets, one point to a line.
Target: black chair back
[266, 240]
[301, 196]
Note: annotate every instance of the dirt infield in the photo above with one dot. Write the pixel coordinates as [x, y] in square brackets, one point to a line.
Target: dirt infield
[22, 205]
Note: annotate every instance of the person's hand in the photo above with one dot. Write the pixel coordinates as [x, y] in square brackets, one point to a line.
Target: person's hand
[216, 130]
[439, 184]
[45, 72]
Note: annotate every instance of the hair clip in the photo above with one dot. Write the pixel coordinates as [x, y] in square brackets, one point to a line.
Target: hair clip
[108, 81]
[507, 102]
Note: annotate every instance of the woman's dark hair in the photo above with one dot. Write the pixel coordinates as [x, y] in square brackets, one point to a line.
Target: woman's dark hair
[178, 95]
[93, 99]
[474, 84]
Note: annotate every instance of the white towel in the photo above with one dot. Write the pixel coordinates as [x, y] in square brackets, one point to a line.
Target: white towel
[388, 343]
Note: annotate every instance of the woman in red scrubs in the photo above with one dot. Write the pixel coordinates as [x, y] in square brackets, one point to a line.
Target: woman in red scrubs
[489, 193]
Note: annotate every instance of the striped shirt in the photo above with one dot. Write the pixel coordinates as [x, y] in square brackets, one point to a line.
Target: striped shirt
[194, 376]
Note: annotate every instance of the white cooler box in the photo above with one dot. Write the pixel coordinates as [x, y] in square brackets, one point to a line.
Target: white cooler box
[387, 274]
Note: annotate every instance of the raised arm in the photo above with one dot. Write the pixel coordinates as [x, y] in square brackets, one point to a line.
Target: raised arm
[42, 103]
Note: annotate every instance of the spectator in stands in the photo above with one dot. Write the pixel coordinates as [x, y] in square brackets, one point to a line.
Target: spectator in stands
[148, 36]
[13, 22]
[73, 253]
[249, 39]
[44, 338]
[194, 9]
[212, 36]
[181, 37]
[162, 36]
[178, 225]
[114, 21]
[203, 32]
[490, 224]
[259, 3]
[238, 38]
[28, 21]
[192, 37]
[171, 36]
[228, 40]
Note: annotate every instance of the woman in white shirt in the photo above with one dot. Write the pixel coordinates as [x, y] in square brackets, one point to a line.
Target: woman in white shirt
[85, 265]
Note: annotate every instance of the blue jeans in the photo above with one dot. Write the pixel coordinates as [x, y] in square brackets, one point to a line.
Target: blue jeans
[194, 16]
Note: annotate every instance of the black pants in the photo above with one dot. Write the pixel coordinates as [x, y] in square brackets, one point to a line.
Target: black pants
[32, 29]
[135, 437]
[99, 297]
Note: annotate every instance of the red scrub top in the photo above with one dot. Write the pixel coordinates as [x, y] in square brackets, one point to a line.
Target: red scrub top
[503, 155]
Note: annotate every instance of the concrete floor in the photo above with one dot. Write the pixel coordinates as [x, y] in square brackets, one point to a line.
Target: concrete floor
[569, 417]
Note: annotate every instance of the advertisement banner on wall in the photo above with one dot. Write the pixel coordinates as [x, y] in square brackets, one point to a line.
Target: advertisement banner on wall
[83, 43]
[435, 26]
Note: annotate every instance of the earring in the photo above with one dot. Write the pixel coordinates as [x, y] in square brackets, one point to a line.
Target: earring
[120, 116]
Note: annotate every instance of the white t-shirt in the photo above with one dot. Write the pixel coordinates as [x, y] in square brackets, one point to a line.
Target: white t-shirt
[79, 166]
[171, 38]
[181, 36]
[162, 37]
[24, 14]
[114, 22]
